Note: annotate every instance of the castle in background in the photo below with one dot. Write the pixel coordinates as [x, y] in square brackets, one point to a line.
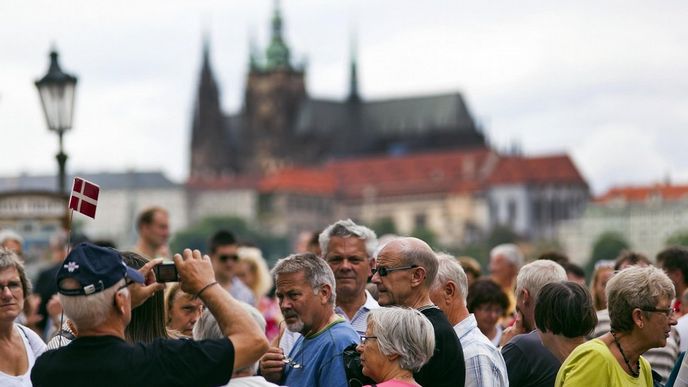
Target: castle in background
[280, 125]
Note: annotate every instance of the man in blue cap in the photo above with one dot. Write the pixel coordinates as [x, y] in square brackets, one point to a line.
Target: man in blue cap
[98, 291]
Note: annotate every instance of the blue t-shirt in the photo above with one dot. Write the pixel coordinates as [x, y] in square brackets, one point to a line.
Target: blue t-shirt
[317, 361]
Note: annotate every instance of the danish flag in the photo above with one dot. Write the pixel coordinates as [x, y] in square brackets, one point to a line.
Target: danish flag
[84, 197]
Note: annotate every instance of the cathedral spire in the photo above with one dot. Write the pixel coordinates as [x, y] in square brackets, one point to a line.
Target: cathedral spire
[354, 96]
[277, 53]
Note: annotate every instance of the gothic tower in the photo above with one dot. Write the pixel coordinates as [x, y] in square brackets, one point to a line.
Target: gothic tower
[274, 91]
[211, 155]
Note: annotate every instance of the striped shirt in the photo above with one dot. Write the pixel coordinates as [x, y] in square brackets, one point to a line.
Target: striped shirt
[484, 362]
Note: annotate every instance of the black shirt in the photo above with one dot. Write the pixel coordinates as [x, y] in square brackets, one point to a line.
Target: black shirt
[111, 361]
[446, 366]
[529, 363]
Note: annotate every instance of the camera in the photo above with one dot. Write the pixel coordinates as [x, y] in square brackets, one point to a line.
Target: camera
[166, 272]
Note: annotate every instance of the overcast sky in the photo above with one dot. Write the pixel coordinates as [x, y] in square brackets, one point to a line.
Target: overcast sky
[605, 81]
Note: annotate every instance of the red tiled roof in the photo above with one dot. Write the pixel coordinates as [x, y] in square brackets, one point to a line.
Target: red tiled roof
[438, 172]
[223, 182]
[642, 193]
[537, 170]
[300, 180]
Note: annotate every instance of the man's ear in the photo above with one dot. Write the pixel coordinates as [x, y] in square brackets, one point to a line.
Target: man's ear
[525, 296]
[121, 302]
[325, 292]
[418, 275]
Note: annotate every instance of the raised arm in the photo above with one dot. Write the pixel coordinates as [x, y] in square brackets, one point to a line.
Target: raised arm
[196, 276]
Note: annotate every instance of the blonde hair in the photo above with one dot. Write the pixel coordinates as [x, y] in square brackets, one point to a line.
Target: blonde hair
[259, 267]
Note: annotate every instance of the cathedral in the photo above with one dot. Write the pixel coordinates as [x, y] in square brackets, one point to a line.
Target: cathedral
[280, 125]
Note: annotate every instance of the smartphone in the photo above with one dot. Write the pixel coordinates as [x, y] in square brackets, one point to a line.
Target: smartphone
[166, 272]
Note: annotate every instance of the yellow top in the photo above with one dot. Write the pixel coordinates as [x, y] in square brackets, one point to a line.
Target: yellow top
[593, 364]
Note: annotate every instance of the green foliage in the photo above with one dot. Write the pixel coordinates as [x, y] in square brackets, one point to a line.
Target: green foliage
[502, 234]
[679, 238]
[607, 246]
[384, 226]
[425, 234]
[196, 237]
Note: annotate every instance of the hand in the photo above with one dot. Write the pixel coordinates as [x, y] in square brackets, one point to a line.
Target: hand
[140, 293]
[272, 364]
[195, 271]
[516, 329]
[54, 308]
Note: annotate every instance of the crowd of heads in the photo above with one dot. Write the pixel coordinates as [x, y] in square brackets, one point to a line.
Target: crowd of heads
[335, 268]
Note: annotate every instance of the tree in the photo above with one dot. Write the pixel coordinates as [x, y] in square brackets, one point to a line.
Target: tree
[679, 238]
[196, 237]
[426, 235]
[607, 246]
[502, 234]
[384, 226]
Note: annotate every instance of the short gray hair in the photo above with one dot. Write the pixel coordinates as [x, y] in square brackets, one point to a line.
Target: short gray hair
[448, 269]
[347, 228]
[509, 251]
[418, 254]
[315, 269]
[635, 287]
[10, 259]
[91, 310]
[404, 332]
[537, 274]
[207, 328]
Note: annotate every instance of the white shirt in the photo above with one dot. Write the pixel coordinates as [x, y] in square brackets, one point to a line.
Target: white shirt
[34, 347]
[484, 362]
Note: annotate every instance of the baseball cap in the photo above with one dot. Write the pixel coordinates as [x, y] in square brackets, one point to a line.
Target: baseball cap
[95, 268]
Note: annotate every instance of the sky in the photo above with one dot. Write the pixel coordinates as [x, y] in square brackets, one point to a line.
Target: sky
[606, 82]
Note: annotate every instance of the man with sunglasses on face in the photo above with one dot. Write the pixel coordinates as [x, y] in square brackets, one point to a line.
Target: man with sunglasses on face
[223, 254]
[405, 272]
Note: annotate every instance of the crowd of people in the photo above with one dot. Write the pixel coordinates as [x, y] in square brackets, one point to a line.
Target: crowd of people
[344, 309]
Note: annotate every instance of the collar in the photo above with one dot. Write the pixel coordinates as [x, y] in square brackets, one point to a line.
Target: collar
[465, 326]
[370, 302]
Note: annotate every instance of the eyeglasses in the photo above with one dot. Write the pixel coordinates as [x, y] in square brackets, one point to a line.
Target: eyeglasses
[13, 286]
[383, 271]
[366, 338]
[669, 312]
[291, 362]
[226, 257]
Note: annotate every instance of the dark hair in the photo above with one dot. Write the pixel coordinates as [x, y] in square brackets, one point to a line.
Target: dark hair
[221, 238]
[555, 256]
[146, 216]
[485, 291]
[148, 319]
[565, 308]
[574, 269]
[675, 258]
[630, 257]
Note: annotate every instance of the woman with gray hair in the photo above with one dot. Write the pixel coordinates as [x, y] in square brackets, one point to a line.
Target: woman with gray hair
[639, 303]
[398, 342]
[19, 345]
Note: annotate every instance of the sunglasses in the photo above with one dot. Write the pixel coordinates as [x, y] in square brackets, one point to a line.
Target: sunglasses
[383, 271]
[226, 257]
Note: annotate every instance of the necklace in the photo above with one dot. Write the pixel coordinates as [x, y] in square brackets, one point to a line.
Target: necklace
[637, 365]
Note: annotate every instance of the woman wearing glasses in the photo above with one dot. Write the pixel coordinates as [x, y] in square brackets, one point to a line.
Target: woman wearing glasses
[398, 341]
[639, 300]
[19, 345]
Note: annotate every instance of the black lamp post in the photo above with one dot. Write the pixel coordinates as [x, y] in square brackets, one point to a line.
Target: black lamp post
[57, 90]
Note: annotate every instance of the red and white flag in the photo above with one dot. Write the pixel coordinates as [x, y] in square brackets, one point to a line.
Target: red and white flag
[84, 197]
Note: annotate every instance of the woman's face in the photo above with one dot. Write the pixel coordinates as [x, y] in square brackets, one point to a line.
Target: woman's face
[11, 294]
[487, 316]
[245, 273]
[184, 313]
[603, 277]
[372, 360]
[658, 324]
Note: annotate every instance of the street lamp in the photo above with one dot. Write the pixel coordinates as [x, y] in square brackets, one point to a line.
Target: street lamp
[57, 90]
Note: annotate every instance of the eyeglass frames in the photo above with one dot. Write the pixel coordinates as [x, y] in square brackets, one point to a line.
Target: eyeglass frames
[13, 286]
[667, 311]
[291, 362]
[227, 257]
[364, 338]
[384, 271]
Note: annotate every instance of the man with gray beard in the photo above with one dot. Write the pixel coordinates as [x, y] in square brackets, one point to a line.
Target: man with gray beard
[305, 287]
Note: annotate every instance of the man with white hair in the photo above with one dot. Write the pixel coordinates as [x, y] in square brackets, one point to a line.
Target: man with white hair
[406, 269]
[207, 328]
[98, 291]
[484, 363]
[505, 262]
[305, 288]
[527, 360]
